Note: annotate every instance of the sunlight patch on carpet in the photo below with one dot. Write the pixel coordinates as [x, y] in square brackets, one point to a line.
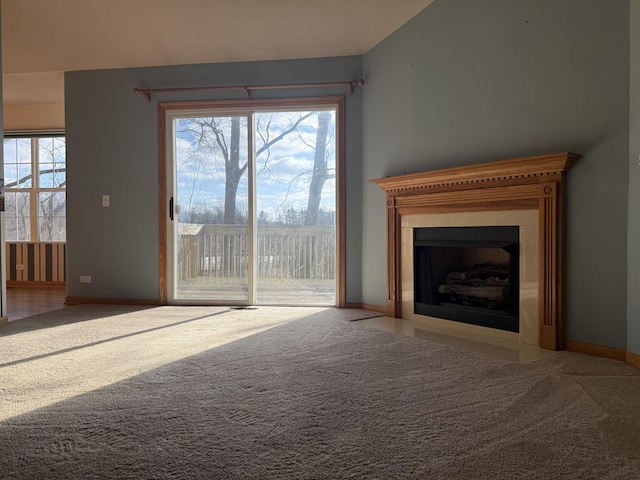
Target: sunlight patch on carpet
[56, 356]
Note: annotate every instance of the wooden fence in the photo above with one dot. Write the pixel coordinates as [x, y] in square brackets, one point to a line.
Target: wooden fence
[304, 252]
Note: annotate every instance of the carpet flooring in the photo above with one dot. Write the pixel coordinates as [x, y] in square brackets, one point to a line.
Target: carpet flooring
[114, 392]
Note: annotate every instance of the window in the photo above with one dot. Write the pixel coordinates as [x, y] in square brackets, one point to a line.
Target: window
[35, 177]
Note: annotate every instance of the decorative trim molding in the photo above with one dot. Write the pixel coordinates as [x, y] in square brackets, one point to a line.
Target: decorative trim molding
[596, 350]
[531, 183]
[480, 175]
[338, 102]
[111, 301]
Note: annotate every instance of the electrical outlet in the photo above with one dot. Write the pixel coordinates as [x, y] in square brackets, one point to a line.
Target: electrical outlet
[19, 267]
[106, 200]
[85, 278]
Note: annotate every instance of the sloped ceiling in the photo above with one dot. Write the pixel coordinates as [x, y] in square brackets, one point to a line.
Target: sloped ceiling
[43, 38]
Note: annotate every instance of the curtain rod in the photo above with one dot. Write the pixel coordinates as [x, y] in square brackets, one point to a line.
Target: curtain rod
[246, 89]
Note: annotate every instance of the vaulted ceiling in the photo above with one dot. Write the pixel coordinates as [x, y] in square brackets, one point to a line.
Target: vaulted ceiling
[41, 39]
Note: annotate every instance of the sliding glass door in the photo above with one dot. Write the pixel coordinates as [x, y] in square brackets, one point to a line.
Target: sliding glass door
[252, 206]
[210, 208]
[296, 207]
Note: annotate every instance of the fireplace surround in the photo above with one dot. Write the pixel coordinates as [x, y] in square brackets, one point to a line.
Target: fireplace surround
[525, 192]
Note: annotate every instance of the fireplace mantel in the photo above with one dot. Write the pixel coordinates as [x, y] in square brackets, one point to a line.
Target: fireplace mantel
[532, 183]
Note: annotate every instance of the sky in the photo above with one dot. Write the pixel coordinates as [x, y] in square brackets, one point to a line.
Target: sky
[283, 170]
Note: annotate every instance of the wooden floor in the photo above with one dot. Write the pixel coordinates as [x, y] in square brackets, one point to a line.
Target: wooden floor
[28, 301]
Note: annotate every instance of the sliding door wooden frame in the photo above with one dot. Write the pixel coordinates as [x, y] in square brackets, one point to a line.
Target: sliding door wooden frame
[336, 102]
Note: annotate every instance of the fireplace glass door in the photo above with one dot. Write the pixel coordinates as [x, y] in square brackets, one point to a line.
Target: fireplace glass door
[468, 274]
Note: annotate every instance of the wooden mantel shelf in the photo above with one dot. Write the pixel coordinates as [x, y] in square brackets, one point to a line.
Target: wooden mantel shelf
[531, 183]
[500, 171]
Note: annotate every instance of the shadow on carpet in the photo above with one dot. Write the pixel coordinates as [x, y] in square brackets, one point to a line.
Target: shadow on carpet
[212, 393]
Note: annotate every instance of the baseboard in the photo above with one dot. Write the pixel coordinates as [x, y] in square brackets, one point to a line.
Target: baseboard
[374, 308]
[353, 305]
[596, 350]
[26, 284]
[110, 301]
[4, 321]
[633, 359]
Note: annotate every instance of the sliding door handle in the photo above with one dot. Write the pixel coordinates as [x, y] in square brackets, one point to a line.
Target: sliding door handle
[171, 208]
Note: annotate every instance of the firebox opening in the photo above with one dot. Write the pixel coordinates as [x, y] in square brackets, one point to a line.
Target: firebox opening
[468, 274]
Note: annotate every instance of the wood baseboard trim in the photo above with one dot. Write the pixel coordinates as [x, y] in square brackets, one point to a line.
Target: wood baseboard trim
[632, 359]
[110, 301]
[352, 305]
[374, 308]
[15, 283]
[596, 350]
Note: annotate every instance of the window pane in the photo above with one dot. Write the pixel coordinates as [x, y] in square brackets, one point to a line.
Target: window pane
[9, 204]
[24, 229]
[10, 175]
[59, 229]
[52, 163]
[11, 228]
[51, 216]
[44, 204]
[25, 179]
[17, 217]
[295, 198]
[23, 204]
[45, 229]
[17, 161]
[205, 154]
[17, 150]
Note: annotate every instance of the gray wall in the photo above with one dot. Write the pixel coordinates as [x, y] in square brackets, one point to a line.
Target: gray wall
[467, 81]
[633, 287]
[3, 283]
[112, 148]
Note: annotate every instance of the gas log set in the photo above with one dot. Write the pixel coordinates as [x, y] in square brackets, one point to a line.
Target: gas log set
[482, 285]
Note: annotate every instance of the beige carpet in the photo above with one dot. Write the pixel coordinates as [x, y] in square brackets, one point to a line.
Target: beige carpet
[93, 392]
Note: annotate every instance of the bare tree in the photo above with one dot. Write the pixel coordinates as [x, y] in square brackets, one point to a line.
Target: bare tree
[320, 171]
[219, 137]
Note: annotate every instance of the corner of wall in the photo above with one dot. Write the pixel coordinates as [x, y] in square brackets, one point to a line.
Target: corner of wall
[633, 255]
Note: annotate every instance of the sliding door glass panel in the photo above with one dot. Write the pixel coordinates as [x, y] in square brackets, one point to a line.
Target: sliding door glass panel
[295, 207]
[211, 254]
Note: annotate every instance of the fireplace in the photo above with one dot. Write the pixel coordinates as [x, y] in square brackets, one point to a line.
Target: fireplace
[516, 230]
[525, 193]
[468, 275]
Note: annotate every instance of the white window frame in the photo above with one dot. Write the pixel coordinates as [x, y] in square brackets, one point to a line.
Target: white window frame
[35, 190]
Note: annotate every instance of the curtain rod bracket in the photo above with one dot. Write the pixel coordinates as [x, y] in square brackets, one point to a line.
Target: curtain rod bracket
[355, 83]
[145, 92]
